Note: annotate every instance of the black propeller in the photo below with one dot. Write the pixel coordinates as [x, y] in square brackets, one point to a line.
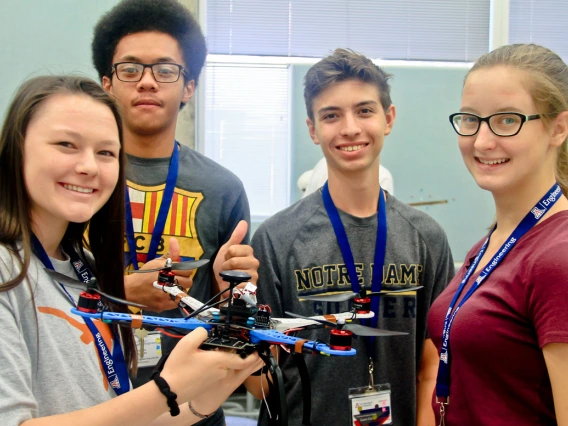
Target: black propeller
[90, 286]
[177, 266]
[342, 297]
[358, 329]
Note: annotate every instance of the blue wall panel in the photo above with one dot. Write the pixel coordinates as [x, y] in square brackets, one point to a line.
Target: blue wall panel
[46, 37]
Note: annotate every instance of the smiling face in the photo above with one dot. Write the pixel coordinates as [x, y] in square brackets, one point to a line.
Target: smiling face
[350, 125]
[504, 164]
[148, 107]
[71, 159]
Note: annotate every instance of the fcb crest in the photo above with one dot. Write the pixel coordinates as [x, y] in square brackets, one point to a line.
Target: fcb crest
[145, 203]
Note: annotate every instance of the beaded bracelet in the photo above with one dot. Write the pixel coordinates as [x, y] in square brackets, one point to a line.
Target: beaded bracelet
[166, 391]
[195, 413]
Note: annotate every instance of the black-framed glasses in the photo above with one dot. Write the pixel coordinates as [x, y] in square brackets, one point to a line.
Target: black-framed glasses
[163, 72]
[502, 123]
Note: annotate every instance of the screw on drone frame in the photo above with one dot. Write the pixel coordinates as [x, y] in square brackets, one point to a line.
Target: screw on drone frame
[234, 278]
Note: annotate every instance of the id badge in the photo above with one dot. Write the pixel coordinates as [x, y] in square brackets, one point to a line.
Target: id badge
[151, 351]
[371, 405]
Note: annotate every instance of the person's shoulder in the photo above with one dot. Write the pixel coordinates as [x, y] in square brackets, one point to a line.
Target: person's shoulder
[293, 217]
[549, 243]
[11, 263]
[191, 160]
[191, 155]
[6, 252]
[403, 215]
[10, 259]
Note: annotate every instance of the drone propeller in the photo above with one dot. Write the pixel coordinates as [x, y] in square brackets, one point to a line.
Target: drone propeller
[177, 266]
[342, 297]
[90, 286]
[359, 330]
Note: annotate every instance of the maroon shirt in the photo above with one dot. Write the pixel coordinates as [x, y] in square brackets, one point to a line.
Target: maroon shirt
[498, 374]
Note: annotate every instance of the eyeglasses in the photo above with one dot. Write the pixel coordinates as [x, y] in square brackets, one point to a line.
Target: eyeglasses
[502, 123]
[163, 72]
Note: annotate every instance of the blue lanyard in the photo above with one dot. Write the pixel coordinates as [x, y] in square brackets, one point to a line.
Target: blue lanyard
[530, 220]
[380, 249]
[162, 213]
[114, 364]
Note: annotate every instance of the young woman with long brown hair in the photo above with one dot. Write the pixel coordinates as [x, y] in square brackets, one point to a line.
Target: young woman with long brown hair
[61, 172]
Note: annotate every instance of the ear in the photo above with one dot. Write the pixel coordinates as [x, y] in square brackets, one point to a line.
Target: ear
[107, 84]
[390, 115]
[312, 130]
[559, 129]
[188, 91]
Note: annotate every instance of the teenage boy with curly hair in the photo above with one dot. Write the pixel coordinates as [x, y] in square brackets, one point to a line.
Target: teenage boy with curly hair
[149, 55]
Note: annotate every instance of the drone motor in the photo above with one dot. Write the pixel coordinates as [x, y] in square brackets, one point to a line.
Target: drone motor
[166, 277]
[340, 339]
[362, 305]
[88, 302]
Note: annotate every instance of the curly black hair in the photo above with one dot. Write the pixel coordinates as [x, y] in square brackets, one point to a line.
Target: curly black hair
[134, 16]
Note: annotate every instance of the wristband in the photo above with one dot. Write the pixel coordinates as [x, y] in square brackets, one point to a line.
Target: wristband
[166, 391]
[195, 413]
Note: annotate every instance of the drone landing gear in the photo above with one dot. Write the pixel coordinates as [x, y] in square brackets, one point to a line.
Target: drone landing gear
[306, 388]
[276, 400]
[276, 405]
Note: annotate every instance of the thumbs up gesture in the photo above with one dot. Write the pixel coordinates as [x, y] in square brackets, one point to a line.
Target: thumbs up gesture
[235, 256]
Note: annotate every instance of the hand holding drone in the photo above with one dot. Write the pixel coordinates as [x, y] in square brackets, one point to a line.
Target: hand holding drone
[219, 372]
[206, 381]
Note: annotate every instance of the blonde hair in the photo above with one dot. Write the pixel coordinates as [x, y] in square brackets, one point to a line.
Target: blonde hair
[548, 85]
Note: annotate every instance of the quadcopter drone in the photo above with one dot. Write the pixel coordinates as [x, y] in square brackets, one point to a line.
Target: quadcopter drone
[239, 324]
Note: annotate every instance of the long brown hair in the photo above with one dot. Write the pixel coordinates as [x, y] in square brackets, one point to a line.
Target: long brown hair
[106, 227]
[548, 85]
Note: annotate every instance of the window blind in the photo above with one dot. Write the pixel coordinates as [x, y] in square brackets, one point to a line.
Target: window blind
[247, 130]
[541, 22]
[436, 30]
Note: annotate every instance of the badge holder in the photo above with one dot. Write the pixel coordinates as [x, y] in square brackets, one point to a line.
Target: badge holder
[371, 405]
[444, 402]
[149, 345]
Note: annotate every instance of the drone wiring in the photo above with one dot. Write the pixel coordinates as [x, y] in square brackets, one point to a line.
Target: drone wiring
[175, 335]
[206, 306]
[288, 333]
[292, 330]
[266, 404]
[209, 303]
[264, 397]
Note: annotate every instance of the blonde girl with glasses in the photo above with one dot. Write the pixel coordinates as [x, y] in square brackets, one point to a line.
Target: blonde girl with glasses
[501, 326]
